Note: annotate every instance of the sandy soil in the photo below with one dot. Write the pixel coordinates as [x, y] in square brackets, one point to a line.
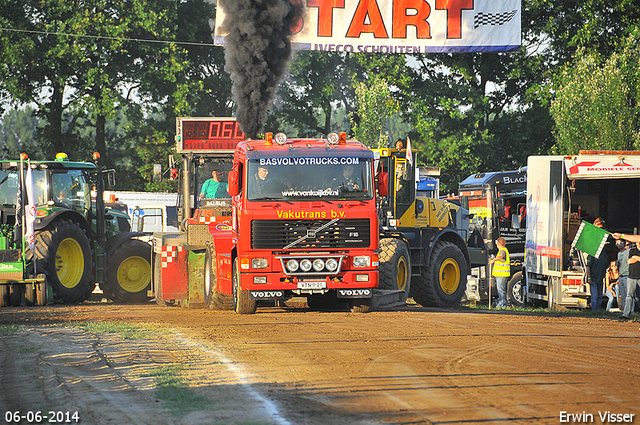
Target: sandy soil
[295, 366]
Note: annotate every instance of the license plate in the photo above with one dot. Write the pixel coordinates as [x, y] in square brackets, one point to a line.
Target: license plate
[312, 284]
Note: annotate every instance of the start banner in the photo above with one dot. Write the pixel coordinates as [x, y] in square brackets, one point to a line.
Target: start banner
[403, 26]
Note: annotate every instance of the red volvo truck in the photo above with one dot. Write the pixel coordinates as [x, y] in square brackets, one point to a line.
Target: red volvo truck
[298, 218]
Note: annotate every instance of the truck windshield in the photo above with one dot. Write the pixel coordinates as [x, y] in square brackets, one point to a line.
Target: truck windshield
[8, 187]
[317, 178]
[479, 202]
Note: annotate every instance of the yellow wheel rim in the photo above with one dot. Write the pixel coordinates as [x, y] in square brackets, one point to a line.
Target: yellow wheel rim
[449, 276]
[134, 274]
[69, 263]
[402, 273]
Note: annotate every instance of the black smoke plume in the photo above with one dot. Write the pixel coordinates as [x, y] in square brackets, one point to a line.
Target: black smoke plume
[257, 54]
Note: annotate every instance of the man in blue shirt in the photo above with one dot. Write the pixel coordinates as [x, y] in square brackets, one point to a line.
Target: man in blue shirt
[214, 187]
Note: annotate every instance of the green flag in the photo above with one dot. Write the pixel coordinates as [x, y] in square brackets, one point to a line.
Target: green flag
[590, 239]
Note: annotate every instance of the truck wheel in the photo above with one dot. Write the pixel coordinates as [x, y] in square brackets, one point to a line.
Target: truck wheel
[64, 255]
[214, 299]
[515, 290]
[242, 303]
[360, 305]
[444, 279]
[395, 265]
[129, 272]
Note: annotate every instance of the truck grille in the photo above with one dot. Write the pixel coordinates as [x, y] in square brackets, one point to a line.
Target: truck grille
[276, 234]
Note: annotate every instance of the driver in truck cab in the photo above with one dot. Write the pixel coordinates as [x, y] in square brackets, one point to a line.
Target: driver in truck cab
[214, 187]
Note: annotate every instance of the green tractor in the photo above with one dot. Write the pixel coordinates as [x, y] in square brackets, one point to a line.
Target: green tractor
[77, 242]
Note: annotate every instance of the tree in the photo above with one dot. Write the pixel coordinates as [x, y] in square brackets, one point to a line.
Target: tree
[374, 107]
[17, 133]
[596, 106]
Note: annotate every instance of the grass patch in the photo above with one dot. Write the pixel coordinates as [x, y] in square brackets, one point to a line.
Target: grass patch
[126, 330]
[173, 388]
[8, 329]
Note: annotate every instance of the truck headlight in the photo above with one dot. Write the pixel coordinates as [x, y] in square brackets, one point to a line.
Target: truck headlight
[292, 265]
[362, 261]
[305, 265]
[318, 264]
[258, 263]
[331, 265]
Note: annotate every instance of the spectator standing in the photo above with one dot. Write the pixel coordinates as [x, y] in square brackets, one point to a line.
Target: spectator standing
[611, 283]
[623, 271]
[632, 282]
[501, 271]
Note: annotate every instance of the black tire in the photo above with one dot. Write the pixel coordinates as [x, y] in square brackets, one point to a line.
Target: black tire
[214, 299]
[360, 305]
[129, 272]
[515, 290]
[444, 279]
[64, 255]
[395, 265]
[242, 303]
[4, 296]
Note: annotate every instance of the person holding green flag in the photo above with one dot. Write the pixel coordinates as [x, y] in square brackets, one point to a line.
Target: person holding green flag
[595, 271]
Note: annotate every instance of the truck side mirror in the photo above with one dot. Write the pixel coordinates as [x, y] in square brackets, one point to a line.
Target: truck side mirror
[234, 188]
[515, 221]
[383, 183]
[111, 178]
[499, 205]
[157, 173]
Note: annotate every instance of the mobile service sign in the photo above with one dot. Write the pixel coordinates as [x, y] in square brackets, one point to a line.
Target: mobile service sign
[403, 26]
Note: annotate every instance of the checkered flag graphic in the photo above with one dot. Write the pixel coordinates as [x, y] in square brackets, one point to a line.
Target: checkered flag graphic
[493, 18]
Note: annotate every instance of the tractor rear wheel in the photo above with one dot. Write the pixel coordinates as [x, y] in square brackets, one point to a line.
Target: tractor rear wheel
[242, 303]
[444, 279]
[214, 299]
[64, 255]
[129, 272]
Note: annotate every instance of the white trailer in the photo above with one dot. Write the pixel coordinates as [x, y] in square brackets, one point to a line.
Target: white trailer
[561, 192]
[149, 211]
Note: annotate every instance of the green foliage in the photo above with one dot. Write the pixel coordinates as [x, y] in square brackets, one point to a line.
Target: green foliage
[18, 129]
[155, 149]
[374, 107]
[596, 106]
[97, 85]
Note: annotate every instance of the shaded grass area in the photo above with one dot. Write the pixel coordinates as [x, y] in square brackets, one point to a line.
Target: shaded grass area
[173, 388]
[8, 329]
[126, 330]
[171, 383]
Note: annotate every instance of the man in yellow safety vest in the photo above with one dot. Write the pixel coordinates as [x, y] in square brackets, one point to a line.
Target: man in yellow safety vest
[501, 271]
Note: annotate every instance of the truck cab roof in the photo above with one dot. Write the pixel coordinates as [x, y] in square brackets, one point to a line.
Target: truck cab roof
[499, 179]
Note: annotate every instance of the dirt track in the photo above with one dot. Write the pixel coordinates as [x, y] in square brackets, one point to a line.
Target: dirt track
[296, 366]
